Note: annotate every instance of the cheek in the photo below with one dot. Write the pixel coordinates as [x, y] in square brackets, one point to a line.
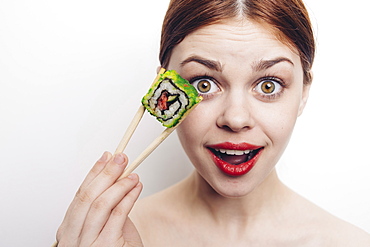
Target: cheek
[278, 123]
[195, 127]
[182, 132]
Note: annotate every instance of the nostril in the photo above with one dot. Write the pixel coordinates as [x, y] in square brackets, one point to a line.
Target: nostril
[235, 129]
[235, 123]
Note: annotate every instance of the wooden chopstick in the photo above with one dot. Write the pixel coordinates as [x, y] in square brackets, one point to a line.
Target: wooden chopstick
[130, 130]
[147, 152]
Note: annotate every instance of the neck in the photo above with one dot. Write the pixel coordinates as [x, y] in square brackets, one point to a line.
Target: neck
[266, 199]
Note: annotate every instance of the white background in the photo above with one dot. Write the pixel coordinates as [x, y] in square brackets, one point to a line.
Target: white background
[72, 74]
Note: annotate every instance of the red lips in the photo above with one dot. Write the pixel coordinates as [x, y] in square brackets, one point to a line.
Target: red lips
[219, 156]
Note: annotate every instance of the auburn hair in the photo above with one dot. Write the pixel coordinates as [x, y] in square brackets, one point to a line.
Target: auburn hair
[288, 19]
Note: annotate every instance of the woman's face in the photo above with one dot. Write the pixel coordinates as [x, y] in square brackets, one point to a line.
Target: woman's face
[253, 92]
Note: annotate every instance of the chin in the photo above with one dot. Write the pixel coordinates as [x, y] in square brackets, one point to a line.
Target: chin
[233, 187]
[233, 193]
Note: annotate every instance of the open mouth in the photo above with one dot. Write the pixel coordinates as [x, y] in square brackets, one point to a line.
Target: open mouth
[235, 157]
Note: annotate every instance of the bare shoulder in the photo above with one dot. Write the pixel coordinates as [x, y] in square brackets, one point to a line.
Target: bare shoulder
[342, 233]
[163, 218]
[155, 205]
[352, 236]
[154, 215]
[150, 207]
[325, 229]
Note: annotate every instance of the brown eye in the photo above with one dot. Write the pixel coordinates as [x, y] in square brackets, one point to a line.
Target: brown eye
[204, 86]
[267, 87]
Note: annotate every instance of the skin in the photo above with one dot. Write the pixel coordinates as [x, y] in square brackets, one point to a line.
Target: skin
[211, 208]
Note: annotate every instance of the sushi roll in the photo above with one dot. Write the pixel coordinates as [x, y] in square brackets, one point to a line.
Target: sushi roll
[170, 98]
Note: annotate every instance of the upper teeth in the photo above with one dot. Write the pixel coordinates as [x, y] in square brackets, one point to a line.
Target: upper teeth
[233, 152]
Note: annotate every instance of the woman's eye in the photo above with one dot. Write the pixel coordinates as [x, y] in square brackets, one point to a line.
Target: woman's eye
[268, 87]
[205, 86]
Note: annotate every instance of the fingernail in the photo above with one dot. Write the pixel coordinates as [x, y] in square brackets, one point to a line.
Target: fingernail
[131, 176]
[104, 157]
[119, 159]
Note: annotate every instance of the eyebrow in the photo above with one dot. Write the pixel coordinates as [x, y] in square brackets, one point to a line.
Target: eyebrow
[211, 64]
[215, 65]
[265, 64]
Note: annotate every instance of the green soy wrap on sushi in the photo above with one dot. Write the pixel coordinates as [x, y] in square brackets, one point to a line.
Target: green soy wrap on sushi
[170, 98]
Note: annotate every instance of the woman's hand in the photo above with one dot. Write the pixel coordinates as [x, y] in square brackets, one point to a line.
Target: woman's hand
[98, 215]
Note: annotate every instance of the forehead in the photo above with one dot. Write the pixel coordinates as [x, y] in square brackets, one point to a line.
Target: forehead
[236, 39]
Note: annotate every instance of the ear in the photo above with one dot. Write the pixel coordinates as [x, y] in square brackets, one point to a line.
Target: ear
[305, 94]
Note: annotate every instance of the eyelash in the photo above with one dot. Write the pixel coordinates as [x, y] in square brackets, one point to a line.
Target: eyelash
[271, 97]
[206, 77]
[198, 77]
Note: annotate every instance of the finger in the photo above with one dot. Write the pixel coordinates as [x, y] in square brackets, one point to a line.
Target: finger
[104, 206]
[80, 205]
[117, 221]
[96, 169]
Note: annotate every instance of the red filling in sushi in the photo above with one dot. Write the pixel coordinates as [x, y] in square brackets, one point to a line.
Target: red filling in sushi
[165, 100]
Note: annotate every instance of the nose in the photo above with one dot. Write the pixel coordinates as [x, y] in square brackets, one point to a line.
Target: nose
[236, 114]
